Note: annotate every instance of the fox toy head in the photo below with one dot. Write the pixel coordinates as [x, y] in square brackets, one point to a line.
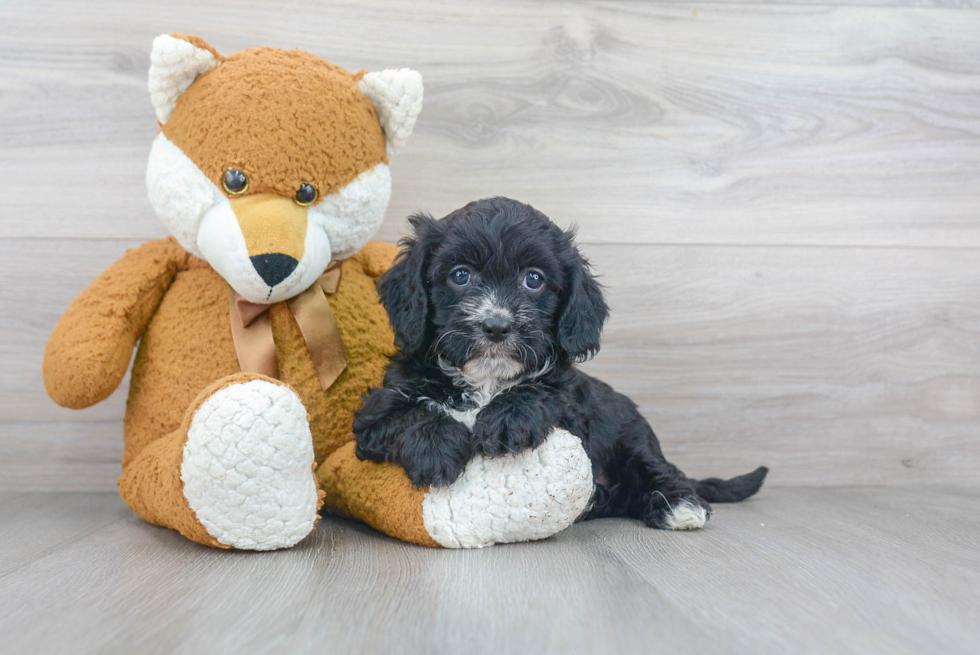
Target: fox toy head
[271, 163]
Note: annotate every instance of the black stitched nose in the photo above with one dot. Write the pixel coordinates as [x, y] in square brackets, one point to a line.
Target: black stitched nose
[274, 267]
[496, 328]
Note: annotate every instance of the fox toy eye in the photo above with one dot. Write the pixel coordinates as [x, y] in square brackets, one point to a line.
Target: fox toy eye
[534, 280]
[460, 276]
[235, 182]
[306, 195]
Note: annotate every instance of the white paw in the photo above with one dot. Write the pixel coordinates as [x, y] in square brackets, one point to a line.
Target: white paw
[687, 516]
[523, 497]
[248, 467]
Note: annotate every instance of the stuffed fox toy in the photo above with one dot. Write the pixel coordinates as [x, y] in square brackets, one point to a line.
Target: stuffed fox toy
[258, 321]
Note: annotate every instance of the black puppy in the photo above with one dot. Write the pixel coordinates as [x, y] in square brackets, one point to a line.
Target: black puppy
[491, 307]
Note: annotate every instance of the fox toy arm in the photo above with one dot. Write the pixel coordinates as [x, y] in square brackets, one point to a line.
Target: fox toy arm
[88, 353]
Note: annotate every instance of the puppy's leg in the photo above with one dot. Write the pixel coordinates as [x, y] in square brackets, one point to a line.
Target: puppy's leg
[514, 421]
[660, 495]
[432, 448]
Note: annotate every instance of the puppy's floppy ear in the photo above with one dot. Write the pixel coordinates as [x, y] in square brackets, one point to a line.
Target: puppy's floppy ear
[404, 289]
[584, 311]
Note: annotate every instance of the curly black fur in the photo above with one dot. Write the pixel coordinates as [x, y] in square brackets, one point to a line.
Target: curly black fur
[498, 354]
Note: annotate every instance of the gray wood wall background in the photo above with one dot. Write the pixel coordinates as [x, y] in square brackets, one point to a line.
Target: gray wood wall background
[783, 199]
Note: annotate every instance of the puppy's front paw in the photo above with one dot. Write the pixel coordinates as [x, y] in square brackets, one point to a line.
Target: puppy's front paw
[434, 453]
[435, 472]
[510, 432]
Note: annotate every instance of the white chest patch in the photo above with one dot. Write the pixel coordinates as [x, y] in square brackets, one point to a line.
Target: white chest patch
[467, 417]
[491, 375]
[483, 378]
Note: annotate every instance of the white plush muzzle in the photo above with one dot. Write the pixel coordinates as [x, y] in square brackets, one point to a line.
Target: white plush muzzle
[200, 217]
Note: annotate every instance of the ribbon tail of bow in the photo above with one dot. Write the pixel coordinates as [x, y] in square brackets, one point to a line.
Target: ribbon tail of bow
[251, 330]
[252, 334]
[319, 327]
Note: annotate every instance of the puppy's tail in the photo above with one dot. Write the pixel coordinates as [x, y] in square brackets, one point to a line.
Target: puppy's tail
[716, 490]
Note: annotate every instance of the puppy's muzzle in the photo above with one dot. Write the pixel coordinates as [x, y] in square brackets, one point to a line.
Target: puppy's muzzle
[496, 328]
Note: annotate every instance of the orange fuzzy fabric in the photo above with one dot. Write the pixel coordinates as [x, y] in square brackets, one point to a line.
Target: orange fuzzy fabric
[151, 484]
[318, 127]
[90, 349]
[187, 346]
[179, 306]
[376, 494]
[284, 118]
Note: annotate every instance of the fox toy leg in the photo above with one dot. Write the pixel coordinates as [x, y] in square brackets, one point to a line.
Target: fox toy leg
[531, 495]
[237, 473]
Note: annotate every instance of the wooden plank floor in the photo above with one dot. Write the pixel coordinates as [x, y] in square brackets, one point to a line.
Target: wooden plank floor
[795, 570]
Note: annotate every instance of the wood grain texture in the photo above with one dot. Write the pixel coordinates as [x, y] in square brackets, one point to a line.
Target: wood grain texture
[938, 4]
[641, 122]
[837, 365]
[830, 365]
[782, 199]
[67, 455]
[36, 525]
[847, 570]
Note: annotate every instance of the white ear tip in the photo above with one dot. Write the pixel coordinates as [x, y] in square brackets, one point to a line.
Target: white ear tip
[397, 95]
[174, 65]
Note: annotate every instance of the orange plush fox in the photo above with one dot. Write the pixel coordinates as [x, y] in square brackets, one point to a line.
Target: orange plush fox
[258, 322]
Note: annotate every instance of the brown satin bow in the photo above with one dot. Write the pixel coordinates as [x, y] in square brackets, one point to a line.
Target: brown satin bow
[251, 330]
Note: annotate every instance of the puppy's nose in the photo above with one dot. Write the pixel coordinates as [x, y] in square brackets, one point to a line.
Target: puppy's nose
[496, 328]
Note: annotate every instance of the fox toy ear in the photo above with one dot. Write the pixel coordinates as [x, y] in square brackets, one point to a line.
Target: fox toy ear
[175, 62]
[397, 95]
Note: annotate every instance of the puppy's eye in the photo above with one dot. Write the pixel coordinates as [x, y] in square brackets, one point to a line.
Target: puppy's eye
[534, 280]
[235, 182]
[306, 195]
[460, 276]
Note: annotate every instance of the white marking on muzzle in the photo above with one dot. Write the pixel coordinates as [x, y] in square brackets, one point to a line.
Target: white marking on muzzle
[477, 310]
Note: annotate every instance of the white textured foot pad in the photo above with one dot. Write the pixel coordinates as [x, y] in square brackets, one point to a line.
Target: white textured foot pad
[248, 467]
[531, 495]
